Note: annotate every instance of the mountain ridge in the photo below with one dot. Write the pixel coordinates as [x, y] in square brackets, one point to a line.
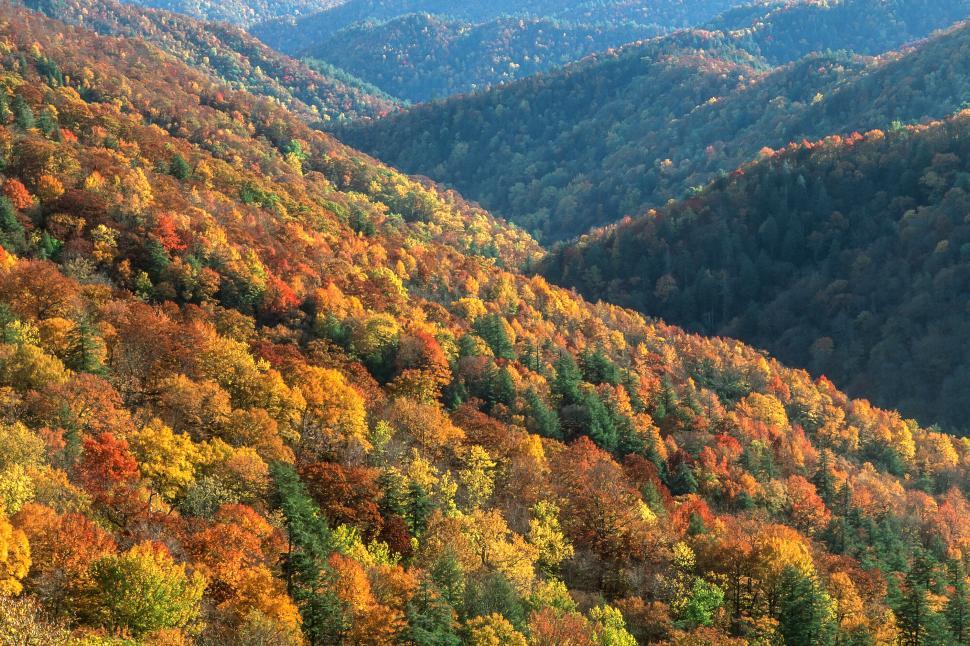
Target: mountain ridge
[637, 151]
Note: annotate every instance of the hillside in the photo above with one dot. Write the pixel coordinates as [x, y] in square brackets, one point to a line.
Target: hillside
[848, 256]
[296, 36]
[788, 31]
[230, 55]
[611, 137]
[257, 388]
[242, 13]
[420, 57]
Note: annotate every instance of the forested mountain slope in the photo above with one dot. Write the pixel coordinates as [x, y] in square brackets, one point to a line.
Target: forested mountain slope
[582, 147]
[295, 36]
[257, 388]
[788, 31]
[420, 57]
[243, 13]
[229, 54]
[535, 150]
[850, 256]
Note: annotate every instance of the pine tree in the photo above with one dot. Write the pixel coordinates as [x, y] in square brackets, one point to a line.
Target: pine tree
[85, 348]
[494, 593]
[628, 440]
[502, 388]
[179, 168]
[49, 245]
[47, 123]
[431, 619]
[23, 115]
[305, 561]
[602, 430]
[491, 329]
[12, 235]
[683, 480]
[418, 508]
[667, 403]
[541, 419]
[4, 108]
[8, 333]
[919, 624]
[449, 579]
[598, 369]
[805, 611]
[567, 381]
[823, 480]
[958, 607]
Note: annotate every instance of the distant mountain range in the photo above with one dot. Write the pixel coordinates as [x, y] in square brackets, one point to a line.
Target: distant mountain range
[242, 13]
[420, 57]
[240, 60]
[562, 152]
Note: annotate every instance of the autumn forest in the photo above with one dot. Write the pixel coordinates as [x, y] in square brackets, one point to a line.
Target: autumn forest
[585, 323]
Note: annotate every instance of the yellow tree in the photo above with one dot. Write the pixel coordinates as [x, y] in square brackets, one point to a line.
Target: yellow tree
[493, 630]
[333, 418]
[547, 536]
[14, 557]
[165, 459]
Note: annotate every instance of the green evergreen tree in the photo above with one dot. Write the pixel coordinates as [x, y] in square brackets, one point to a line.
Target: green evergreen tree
[85, 348]
[418, 508]
[493, 593]
[919, 624]
[305, 564]
[628, 440]
[601, 430]
[823, 480]
[683, 480]
[958, 607]
[540, 419]
[8, 332]
[431, 620]
[566, 385]
[49, 246]
[502, 389]
[492, 330]
[805, 611]
[22, 114]
[667, 401]
[47, 123]
[598, 369]
[449, 579]
[179, 168]
[4, 110]
[12, 235]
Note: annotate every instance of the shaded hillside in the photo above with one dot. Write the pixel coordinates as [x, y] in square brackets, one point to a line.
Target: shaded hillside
[559, 153]
[423, 57]
[849, 256]
[295, 36]
[257, 388]
[229, 54]
[601, 140]
[243, 13]
[870, 27]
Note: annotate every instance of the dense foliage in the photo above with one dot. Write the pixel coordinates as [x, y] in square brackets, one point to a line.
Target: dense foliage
[243, 13]
[850, 256]
[420, 57]
[256, 388]
[230, 54]
[789, 31]
[294, 36]
[606, 138]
